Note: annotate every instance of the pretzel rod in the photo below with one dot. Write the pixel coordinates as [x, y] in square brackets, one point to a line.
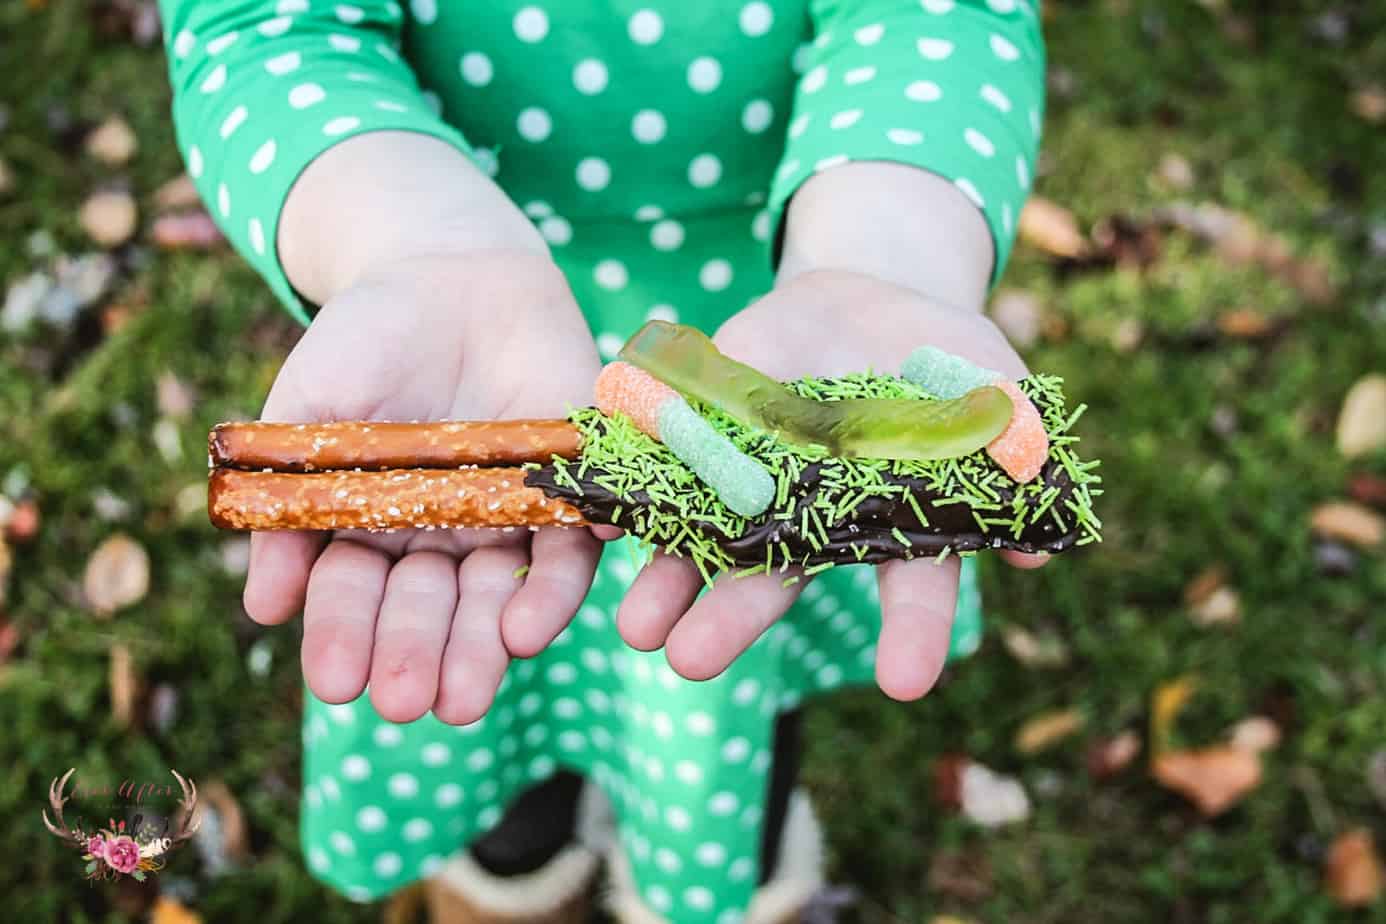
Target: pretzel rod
[287, 447]
[393, 499]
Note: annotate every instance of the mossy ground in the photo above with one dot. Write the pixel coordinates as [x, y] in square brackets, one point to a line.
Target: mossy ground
[1212, 453]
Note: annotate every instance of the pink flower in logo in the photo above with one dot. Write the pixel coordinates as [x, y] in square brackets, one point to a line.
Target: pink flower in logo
[123, 854]
[96, 846]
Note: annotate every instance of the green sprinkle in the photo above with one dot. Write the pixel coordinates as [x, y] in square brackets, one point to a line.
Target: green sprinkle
[520, 572]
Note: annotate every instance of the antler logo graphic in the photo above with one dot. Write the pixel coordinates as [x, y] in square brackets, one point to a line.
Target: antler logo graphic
[115, 851]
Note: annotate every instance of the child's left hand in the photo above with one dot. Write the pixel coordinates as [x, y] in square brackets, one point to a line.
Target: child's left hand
[826, 322]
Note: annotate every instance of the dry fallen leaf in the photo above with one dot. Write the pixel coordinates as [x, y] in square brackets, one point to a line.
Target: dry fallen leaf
[23, 523]
[235, 836]
[1353, 872]
[1205, 584]
[1047, 729]
[1362, 421]
[1245, 324]
[124, 685]
[1256, 734]
[1214, 778]
[178, 193]
[948, 771]
[6, 178]
[405, 906]
[193, 230]
[1222, 608]
[1368, 103]
[1367, 488]
[1169, 699]
[113, 142]
[117, 575]
[1349, 522]
[1034, 650]
[990, 799]
[173, 397]
[1126, 335]
[1110, 756]
[1175, 171]
[168, 910]
[6, 563]
[1050, 227]
[109, 218]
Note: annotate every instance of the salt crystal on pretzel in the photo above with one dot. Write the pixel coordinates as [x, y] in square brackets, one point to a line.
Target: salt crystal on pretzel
[1023, 446]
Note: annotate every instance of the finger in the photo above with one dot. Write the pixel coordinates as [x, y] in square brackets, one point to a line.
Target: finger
[560, 574]
[1026, 561]
[344, 594]
[411, 633]
[660, 594]
[917, 601]
[725, 622]
[475, 659]
[277, 580]
[606, 533]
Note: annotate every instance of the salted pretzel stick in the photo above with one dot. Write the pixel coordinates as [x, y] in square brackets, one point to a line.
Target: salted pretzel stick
[393, 499]
[287, 447]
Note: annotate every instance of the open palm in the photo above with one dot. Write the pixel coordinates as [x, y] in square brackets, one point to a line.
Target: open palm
[822, 324]
[430, 619]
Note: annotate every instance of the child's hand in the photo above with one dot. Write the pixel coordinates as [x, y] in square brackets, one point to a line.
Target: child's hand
[430, 619]
[823, 323]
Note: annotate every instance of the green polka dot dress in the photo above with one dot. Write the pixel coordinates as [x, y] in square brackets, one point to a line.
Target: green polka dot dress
[655, 145]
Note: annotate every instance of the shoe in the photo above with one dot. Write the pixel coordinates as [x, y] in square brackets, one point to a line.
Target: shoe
[798, 876]
[560, 892]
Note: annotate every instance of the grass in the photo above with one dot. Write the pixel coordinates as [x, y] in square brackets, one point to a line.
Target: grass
[1214, 452]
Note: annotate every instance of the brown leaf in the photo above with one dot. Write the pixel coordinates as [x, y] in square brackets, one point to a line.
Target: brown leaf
[174, 398]
[170, 911]
[1349, 522]
[1126, 335]
[9, 639]
[1367, 488]
[1353, 872]
[1169, 700]
[1019, 315]
[217, 796]
[1175, 172]
[117, 575]
[109, 218]
[6, 563]
[1110, 756]
[24, 522]
[1208, 582]
[961, 874]
[6, 178]
[178, 193]
[1047, 729]
[1050, 227]
[1034, 650]
[1222, 608]
[186, 231]
[990, 799]
[124, 685]
[1214, 778]
[948, 771]
[113, 142]
[406, 906]
[1368, 103]
[1362, 421]
[1245, 324]
[1256, 734]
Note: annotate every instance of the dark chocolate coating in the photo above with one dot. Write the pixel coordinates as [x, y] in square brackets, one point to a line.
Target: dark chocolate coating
[870, 524]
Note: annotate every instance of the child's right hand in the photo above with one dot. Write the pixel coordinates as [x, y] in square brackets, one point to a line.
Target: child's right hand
[430, 619]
